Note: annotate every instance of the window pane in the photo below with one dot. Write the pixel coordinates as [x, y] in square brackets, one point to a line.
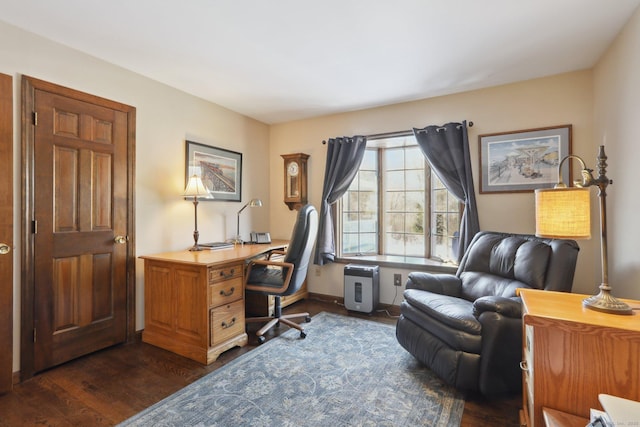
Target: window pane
[394, 180]
[368, 243]
[435, 182]
[454, 204]
[350, 201]
[414, 159]
[414, 223]
[368, 180]
[394, 159]
[414, 201]
[440, 200]
[349, 243]
[368, 223]
[395, 223]
[394, 201]
[370, 160]
[415, 179]
[394, 244]
[414, 245]
[368, 201]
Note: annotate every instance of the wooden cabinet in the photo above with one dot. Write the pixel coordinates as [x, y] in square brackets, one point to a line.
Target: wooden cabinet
[571, 354]
[194, 301]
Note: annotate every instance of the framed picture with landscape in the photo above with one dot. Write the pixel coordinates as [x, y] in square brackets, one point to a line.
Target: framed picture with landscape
[219, 169]
[524, 160]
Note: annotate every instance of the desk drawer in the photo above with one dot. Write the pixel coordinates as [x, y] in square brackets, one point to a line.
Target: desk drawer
[225, 273]
[225, 292]
[227, 321]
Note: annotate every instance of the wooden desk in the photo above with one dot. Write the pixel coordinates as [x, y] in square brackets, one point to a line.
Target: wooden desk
[571, 354]
[553, 418]
[194, 301]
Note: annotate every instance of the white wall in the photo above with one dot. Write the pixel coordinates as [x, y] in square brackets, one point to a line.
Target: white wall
[165, 118]
[557, 100]
[616, 113]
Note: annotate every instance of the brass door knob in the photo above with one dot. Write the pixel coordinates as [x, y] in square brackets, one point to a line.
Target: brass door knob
[4, 249]
[121, 239]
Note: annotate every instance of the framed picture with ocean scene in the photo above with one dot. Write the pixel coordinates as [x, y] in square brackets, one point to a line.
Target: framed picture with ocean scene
[524, 160]
[219, 169]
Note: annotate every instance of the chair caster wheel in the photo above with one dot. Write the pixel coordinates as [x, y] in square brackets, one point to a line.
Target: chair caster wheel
[303, 334]
[261, 340]
[307, 319]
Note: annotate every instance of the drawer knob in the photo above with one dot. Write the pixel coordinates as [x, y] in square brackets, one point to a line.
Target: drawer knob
[225, 275]
[227, 294]
[226, 325]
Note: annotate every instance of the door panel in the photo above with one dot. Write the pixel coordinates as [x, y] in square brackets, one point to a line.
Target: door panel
[81, 200]
[75, 139]
[6, 233]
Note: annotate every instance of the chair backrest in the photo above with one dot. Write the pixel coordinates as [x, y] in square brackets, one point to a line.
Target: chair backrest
[498, 263]
[303, 238]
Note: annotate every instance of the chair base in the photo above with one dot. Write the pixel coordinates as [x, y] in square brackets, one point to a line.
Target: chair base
[278, 318]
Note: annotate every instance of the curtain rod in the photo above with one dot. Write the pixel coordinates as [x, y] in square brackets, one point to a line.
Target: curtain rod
[393, 134]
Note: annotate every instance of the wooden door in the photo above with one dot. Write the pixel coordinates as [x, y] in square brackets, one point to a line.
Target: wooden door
[81, 223]
[6, 233]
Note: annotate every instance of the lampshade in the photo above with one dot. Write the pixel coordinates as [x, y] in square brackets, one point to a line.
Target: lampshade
[195, 188]
[255, 203]
[563, 213]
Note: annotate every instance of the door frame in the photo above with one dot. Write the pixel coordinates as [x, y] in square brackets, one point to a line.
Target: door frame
[6, 232]
[29, 87]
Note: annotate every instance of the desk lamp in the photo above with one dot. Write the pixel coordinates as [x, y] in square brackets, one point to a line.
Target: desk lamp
[195, 188]
[253, 203]
[563, 212]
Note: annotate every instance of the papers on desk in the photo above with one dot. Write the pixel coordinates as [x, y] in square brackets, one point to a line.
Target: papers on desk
[618, 412]
[217, 245]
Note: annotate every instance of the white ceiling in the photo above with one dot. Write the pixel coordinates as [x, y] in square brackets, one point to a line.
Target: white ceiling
[282, 60]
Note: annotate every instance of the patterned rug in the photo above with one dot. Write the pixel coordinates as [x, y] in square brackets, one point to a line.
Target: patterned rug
[347, 372]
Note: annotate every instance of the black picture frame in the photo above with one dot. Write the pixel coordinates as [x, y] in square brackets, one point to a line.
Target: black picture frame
[523, 160]
[219, 169]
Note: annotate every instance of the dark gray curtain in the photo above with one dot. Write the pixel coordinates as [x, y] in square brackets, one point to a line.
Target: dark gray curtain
[446, 148]
[344, 156]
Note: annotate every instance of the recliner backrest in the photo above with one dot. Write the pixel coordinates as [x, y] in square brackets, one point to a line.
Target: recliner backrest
[301, 244]
[499, 263]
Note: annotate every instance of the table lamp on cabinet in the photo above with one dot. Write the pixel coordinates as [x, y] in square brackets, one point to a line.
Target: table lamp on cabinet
[196, 189]
[564, 212]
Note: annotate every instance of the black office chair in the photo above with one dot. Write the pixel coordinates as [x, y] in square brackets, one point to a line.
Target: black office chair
[280, 278]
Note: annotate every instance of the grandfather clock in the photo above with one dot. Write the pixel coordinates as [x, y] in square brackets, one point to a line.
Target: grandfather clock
[295, 180]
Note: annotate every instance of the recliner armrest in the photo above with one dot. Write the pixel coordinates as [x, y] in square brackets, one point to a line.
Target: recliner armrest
[444, 284]
[508, 307]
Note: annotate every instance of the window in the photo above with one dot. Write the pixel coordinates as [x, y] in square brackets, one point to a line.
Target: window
[383, 211]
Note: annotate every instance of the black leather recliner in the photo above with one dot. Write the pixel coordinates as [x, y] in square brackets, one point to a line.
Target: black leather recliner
[467, 327]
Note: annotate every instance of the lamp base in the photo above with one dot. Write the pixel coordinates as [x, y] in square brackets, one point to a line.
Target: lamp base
[195, 248]
[606, 303]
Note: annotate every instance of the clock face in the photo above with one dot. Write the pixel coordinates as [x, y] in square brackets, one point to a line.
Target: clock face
[292, 169]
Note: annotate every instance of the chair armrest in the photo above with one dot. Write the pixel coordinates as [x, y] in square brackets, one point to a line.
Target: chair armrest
[444, 284]
[508, 307]
[269, 287]
[276, 252]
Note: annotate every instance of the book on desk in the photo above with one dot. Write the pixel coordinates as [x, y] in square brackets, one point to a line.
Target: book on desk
[216, 245]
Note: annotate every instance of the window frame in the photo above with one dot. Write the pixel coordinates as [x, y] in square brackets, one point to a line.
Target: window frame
[338, 209]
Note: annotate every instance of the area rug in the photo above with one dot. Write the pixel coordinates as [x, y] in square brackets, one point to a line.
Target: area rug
[347, 372]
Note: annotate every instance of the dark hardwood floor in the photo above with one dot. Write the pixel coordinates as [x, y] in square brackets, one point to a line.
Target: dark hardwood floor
[110, 386]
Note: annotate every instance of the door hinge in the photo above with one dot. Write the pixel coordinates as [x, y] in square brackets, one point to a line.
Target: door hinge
[34, 334]
[35, 118]
[34, 226]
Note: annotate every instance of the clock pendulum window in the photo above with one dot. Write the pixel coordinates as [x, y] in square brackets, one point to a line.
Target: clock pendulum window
[295, 180]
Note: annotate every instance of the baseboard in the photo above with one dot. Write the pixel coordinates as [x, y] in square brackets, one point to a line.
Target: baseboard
[393, 310]
[326, 298]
